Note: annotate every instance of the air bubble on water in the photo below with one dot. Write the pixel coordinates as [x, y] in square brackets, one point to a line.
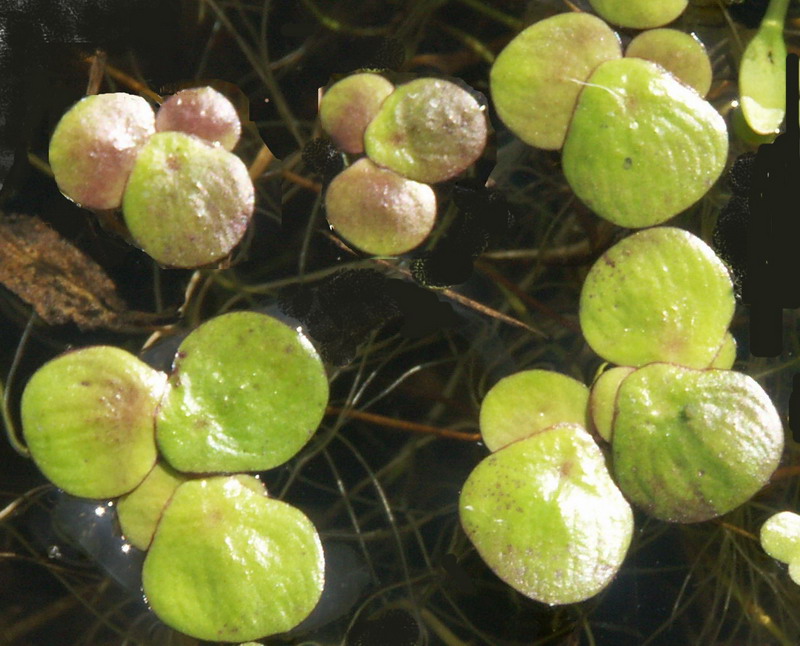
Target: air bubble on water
[92, 527]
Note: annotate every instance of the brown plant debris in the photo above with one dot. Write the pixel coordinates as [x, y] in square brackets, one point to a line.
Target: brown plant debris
[59, 281]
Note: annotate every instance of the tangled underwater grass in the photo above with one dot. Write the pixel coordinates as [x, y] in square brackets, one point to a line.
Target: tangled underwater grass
[408, 366]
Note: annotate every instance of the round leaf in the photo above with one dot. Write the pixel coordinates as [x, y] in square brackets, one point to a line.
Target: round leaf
[603, 399]
[658, 295]
[87, 417]
[690, 445]
[642, 146]
[203, 112]
[745, 133]
[428, 130]
[94, 147]
[528, 402]
[536, 79]
[762, 78]
[246, 393]
[140, 510]
[187, 203]
[639, 14]
[726, 354]
[780, 536]
[379, 211]
[546, 517]
[227, 563]
[679, 53]
[794, 571]
[349, 105]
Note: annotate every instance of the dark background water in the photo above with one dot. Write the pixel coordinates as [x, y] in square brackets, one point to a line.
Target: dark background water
[412, 577]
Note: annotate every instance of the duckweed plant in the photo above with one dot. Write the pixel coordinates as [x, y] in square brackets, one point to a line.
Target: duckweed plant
[638, 145]
[423, 132]
[224, 561]
[690, 442]
[450, 359]
[762, 73]
[185, 198]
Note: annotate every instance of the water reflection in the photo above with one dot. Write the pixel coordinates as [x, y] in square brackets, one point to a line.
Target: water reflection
[91, 526]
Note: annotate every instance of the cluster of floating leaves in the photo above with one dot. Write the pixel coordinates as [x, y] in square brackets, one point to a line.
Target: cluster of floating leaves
[186, 199]
[639, 143]
[690, 438]
[419, 133]
[673, 376]
[224, 560]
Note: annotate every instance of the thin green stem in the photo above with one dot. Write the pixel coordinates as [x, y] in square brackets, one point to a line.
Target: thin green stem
[312, 219]
[8, 421]
[345, 496]
[587, 630]
[338, 26]
[39, 164]
[390, 517]
[515, 23]
[263, 71]
[157, 295]
[476, 46]
[22, 501]
[780, 367]
[776, 14]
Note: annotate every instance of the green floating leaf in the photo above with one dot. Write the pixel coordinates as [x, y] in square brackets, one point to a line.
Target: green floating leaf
[762, 73]
[690, 445]
[528, 402]
[681, 54]
[378, 210]
[94, 147]
[87, 417]
[545, 515]
[349, 105]
[228, 563]
[536, 79]
[658, 295]
[428, 130]
[642, 146]
[726, 354]
[794, 571]
[780, 536]
[246, 394]
[139, 511]
[603, 399]
[203, 112]
[745, 133]
[639, 14]
[187, 202]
